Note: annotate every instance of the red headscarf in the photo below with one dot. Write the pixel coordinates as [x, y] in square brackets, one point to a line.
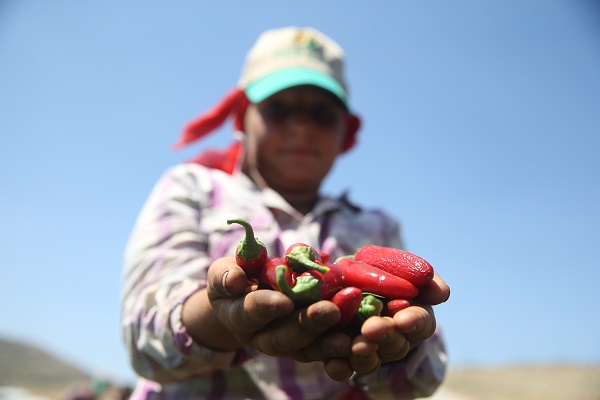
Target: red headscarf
[234, 105]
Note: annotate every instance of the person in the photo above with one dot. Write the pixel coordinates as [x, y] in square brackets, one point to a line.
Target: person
[193, 323]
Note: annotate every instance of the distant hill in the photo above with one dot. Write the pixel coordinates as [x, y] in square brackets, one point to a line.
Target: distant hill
[24, 365]
[42, 373]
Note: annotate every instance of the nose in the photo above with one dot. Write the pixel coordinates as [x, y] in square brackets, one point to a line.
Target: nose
[299, 123]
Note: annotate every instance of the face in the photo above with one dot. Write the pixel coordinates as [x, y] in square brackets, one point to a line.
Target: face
[294, 137]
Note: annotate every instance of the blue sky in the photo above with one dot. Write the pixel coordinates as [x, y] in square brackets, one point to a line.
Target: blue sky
[481, 135]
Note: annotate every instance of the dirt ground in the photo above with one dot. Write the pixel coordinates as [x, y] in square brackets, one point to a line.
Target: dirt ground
[522, 383]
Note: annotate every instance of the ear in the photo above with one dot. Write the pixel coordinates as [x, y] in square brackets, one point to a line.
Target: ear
[352, 126]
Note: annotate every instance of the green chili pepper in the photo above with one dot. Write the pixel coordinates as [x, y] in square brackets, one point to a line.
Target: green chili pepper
[369, 306]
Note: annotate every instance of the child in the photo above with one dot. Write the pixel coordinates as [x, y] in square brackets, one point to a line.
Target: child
[192, 323]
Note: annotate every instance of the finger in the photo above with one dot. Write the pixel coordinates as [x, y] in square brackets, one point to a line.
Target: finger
[226, 279]
[294, 332]
[417, 323]
[338, 369]
[328, 346]
[364, 358]
[260, 308]
[243, 313]
[392, 344]
[434, 292]
[376, 328]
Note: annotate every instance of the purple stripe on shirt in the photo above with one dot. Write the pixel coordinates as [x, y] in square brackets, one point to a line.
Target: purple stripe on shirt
[287, 375]
[217, 389]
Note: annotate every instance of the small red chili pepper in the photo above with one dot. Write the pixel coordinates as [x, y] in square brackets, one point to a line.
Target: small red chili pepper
[374, 280]
[251, 253]
[269, 273]
[302, 257]
[329, 282]
[306, 290]
[325, 257]
[398, 262]
[391, 307]
[278, 276]
[348, 301]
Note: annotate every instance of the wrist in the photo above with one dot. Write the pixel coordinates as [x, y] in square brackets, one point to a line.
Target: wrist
[203, 325]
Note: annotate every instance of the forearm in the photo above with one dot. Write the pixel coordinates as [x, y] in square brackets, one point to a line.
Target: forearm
[165, 264]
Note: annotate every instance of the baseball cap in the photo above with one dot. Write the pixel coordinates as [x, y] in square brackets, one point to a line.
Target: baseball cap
[293, 56]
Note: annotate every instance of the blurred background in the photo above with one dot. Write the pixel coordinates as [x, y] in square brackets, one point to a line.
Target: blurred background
[481, 135]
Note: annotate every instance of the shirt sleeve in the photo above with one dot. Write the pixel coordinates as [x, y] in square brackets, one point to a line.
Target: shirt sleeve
[165, 262]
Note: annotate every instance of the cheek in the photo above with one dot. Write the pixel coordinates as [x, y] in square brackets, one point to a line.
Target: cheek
[335, 140]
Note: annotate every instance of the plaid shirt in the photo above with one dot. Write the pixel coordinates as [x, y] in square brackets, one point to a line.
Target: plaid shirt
[180, 231]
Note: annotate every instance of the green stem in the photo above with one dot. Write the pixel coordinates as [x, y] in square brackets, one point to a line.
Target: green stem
[301, 258]
[249, 247]
[306, 291]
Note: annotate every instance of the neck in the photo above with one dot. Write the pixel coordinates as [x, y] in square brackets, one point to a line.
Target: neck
[302, 201]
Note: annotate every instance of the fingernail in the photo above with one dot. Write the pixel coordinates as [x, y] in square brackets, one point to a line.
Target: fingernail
[409, 330]
[224, 283]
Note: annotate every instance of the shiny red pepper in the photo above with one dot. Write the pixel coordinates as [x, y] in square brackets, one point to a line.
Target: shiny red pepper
[374, 280]
[251, 253]
[391, 307]
[277, 275]
[329, 282]
[269, 273]
[398, 262]
[348, 301]
[324, 257]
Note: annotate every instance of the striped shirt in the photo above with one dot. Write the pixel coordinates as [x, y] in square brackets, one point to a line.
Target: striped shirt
[180, 231]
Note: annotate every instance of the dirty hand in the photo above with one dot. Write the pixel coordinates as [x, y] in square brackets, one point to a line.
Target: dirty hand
[385, 339]
[268, 321]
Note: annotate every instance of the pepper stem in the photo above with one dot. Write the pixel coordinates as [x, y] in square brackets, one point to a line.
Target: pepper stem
[349, 257]
[306, 290]
[301, 258]
[249, 247]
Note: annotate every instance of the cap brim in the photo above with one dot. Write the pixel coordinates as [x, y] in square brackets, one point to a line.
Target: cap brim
[286, 78]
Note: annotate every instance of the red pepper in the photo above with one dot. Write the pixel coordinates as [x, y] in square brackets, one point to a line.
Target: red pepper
[398, 262]
[269, 273]
[391, 307]
[304, 289]
[302, 257]
[324, 257]
[329, 282]
[374, 280]
[348, 301]
[251, 253]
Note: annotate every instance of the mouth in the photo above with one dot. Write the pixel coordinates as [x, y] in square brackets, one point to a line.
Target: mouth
[300, 151]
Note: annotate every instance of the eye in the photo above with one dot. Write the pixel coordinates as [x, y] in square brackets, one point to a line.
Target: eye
[324, 114]
[276, 110]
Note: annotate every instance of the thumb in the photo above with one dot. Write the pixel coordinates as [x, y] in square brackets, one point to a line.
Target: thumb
[226, 279]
